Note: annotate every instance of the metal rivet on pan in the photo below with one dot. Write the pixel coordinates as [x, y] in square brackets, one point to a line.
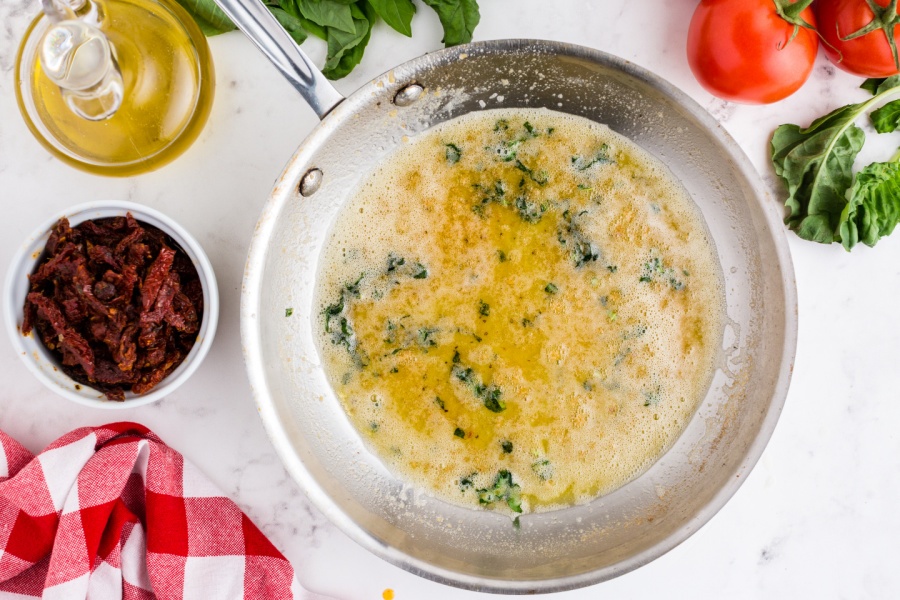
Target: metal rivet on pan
[408, 95]
[311, 182]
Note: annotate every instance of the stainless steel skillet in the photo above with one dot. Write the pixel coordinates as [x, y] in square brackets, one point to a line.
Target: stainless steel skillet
[473, 549]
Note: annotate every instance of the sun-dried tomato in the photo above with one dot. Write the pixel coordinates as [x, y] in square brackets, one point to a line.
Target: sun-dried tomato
[117, 301]
[156, 276]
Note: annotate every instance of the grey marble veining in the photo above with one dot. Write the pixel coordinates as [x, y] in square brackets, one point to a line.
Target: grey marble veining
[817, 518]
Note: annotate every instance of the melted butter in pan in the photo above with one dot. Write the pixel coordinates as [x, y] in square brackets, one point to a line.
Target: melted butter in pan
[522, 310]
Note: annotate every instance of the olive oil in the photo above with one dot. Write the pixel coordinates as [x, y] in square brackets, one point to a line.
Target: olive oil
[168, 89]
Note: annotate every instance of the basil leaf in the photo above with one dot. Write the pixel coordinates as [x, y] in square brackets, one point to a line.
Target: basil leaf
[874, 207]
[458, 18]
[328, 13]
[314, 28]
[816, 164]
[290, 23]
[396, 13]
[209, 17]
[887, 118]
[345, 50]
[871, 85]
[877, 86]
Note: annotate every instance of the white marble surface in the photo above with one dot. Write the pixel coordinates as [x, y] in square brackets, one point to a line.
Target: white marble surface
[817, 518]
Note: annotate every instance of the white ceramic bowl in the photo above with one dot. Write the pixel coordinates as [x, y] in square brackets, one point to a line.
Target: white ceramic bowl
[44, 365]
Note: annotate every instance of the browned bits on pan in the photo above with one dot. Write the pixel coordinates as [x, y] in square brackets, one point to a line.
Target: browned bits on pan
[117, 302]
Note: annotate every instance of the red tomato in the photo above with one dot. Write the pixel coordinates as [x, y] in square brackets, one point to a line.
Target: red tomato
[868, 55]
[739, 50]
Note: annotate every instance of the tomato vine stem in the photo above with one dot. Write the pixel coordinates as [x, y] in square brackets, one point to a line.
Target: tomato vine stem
[885, 19]
[790, 12]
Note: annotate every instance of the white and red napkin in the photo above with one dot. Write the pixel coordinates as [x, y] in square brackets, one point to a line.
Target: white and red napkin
[112, 512]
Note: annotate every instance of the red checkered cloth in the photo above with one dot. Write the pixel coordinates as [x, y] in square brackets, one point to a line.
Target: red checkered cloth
[112, 512]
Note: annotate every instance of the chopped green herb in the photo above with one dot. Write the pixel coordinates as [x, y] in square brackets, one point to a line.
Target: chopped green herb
[288, 312]
[527, 322]
[507, 446]
[551, 288]
[353, 288]
[516, 524]
[453, 153]
[501, 255]
[652, 396]
[543, 469]
[503, 489]
[391, 333]
[394, 262]
[530, 212]
[637, 332]
[529, 128]
[540, 178]
[333, 310]
[459, 433]
[582, 249]
[466, 482]
[426, 337]
[611, 316]
[456, 357]
[484, 309]
[344, 336]
[612, 268]
[506, 151]
[440, 403]
[395, 370]
[501, 125]
[373, 426]
[655, 269]
[601, 158]
[621, 356]
[490, 395]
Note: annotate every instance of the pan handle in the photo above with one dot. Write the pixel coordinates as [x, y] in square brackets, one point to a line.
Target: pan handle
[263, 29]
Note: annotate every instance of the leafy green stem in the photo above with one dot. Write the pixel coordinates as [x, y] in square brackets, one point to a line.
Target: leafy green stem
[860, 110]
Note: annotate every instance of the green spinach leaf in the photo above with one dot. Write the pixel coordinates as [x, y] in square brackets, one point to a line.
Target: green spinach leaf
[887, 118]
[396, 13]
[209, 17]
[345, 50]
[874, 207]
[877, 86]
[345, 25]
[328, 13]
[291, 24]
[458, 18]
[816, 164]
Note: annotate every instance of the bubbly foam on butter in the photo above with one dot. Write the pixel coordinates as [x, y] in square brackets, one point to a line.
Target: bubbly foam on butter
[599, 373]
